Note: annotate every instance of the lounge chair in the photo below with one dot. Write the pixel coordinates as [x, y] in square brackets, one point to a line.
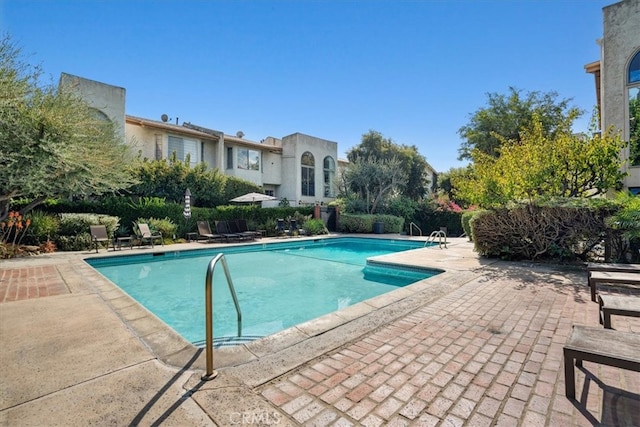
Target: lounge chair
[615, 277]
[242, 226]
[222, 228]
[235, 229]
[204, 230]
[280, 231]
[603, 346]
[293, 228]
[99, 234]
[147, 236]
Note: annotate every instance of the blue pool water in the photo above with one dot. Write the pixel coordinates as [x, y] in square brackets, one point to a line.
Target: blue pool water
[278, 284]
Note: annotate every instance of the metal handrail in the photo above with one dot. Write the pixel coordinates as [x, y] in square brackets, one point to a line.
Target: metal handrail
[208, 296]
[439, 234]
[411, 225]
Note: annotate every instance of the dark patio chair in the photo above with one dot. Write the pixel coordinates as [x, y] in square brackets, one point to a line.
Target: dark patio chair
[235, 229]
[204, 230]
[280, 230]
[99, 234]
[293, 228]
[222, 228]
[147, 236]
[244, 228]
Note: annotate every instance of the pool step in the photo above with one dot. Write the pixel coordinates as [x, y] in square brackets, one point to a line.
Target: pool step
[395, 275]
[228, 341]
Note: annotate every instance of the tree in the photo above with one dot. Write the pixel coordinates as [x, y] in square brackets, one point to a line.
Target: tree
[634, 129]
[445, 184]
[375, 146]
[539, 165]
[51, 142]
[374, 179]
[507, 115]
[169, 179]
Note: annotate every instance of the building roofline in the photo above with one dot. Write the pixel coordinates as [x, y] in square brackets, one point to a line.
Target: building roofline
[209, 134]
[310, 136]
[167, 126]
[65, 75]
[592, 67]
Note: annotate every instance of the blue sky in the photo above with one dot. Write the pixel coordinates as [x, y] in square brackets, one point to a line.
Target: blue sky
[413, 70]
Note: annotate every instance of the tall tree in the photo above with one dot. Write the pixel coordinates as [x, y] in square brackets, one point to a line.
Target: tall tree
[374, 179]
[538, 165]
[507, 115]
[51, 142]
[375, 146]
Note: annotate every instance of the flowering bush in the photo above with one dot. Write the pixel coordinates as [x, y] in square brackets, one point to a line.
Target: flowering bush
[14, 228]
[444, 204]
[12, 231]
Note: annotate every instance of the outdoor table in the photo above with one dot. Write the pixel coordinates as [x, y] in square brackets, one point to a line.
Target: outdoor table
[123, 240]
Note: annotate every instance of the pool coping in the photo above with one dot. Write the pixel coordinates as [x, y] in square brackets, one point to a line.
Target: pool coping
[260, 361]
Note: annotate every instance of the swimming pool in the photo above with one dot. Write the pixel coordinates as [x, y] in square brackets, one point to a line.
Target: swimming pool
[278, 285]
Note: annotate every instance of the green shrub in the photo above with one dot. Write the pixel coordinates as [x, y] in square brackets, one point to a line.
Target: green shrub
[79, 242]
[429, 221]
[625, 224]
[43, 227]
[565, 230]
[72, 224]
[392, 224]
[467, 222]
[353, 223]
[129, 210]
[147, 203]
[401, 206]
[74, 230]
[164, 226]
[270, 226]
[313, 227]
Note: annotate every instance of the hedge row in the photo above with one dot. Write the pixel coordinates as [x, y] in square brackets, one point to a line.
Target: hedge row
[360, 223]
[52, 220]
[556, 232]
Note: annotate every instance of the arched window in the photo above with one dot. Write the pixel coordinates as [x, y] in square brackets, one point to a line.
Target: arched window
[100, 115]
[634, 69]
[633, 86]
[308, 173]
[329, 176]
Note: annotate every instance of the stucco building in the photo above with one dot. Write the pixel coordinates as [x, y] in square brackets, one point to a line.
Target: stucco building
[300, 168]
[617, 81]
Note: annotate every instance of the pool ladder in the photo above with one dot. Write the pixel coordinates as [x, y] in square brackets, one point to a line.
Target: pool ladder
[439, 234]
[208, 295]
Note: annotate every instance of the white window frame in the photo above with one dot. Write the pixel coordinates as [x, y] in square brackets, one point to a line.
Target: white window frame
[183, 147]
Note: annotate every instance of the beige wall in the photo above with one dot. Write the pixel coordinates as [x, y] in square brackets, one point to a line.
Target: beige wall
[293, 146]
[620, 42]
[149, 138]
[271, 168]
[143, 140]
[108, 99]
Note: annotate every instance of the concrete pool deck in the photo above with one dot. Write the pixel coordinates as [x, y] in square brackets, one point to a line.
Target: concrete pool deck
[480, 344]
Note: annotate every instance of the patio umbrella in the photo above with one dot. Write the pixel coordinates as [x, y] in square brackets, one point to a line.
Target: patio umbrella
[187, 204]
[252, 197]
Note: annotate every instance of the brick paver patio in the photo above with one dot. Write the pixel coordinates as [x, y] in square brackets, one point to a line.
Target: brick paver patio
[489, 353]
[30, 282]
